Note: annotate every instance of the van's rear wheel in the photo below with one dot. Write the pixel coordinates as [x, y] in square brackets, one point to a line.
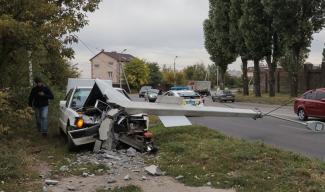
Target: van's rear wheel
[302, 115]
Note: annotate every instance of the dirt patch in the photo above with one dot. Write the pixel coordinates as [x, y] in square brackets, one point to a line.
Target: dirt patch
[151, 184]
[124, 168]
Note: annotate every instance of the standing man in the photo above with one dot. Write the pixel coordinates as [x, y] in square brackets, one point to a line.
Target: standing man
[39, 100]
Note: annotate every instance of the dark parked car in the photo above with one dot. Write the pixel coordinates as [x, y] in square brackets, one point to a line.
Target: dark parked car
[223, 96]
[151, 95]
[311, 104]
[143, 90]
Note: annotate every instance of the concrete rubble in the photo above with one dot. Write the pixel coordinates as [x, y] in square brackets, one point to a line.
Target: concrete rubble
[153, 170]
[51, 182]
[124, 164]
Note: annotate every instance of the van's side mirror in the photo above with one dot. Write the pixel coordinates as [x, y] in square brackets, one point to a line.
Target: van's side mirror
[323, 100]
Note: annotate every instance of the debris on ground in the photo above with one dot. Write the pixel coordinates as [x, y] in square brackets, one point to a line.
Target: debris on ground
[51, 182]
[153, 170]
[179, 177]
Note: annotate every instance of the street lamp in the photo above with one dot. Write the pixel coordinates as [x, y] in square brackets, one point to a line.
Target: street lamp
[175, 70]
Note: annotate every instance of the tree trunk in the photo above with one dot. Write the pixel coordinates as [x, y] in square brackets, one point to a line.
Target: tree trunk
[222, 79]
[257, 78]
[272, 68]
[245, 78]
[293, 77]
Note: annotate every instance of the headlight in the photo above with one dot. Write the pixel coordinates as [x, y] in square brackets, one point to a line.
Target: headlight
[79, 123]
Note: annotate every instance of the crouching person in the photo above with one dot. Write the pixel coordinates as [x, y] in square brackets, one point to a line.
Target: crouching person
[39, 100]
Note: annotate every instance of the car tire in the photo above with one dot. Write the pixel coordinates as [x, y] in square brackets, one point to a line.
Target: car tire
[302, 115]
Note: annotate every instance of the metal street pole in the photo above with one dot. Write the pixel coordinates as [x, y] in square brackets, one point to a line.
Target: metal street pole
[120, 68]
[175, 70]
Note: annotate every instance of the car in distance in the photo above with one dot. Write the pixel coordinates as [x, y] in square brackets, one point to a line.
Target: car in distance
[151, 95]
[310, 104]
[190, 97]
[143, 90]
[223, 96]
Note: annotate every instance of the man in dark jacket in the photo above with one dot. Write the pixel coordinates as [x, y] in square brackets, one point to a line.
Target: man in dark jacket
[39, 100]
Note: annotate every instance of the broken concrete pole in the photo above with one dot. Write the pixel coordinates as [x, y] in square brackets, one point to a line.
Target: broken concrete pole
[51, 182]
[97, 146]
[131, 152]
[106, 134]
[153, 170]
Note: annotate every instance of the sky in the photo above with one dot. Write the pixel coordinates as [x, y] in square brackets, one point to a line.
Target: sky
[156, 31]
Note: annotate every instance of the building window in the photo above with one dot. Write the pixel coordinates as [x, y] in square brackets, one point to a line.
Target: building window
[110, 75]
[96, 65]
[111, 63]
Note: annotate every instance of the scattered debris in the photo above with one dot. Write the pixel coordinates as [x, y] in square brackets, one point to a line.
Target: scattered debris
[209, 183]
[84, 174]
[112, 157]
[50, 157]
[127, 177]
[143, 178]
[131, 152]
[51, 182]
[64, 168]
[153, 170]
[179, 177]
[71, 188]
[111, 180]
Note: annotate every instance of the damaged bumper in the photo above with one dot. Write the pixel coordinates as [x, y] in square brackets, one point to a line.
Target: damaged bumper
[84, 136]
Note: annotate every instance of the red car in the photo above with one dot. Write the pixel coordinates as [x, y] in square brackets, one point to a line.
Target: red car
[311, 104]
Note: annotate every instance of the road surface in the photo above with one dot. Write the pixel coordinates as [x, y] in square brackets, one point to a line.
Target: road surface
[282, 134]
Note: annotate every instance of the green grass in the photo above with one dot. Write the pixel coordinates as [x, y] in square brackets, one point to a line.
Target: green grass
[23, 149]
[202, 155]
[279, 99]
[130, 188]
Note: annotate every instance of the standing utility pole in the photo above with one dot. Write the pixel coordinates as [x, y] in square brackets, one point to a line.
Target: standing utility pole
[120, 68]
[175, 70]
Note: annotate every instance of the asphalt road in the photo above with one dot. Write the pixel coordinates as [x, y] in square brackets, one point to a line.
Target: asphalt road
[278, 133]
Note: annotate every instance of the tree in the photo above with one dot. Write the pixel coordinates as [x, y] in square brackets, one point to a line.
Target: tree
[38, 26]
[300, 20]
[155, 76]
[217, 37]
[238, 41]
[323, 54]
[195, 72]
[255, 34]
[137, 73]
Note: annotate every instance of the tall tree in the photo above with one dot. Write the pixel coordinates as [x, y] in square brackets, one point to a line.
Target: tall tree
[300, 20]
[238, 41]
[255, 33]
[35, 26]
[323, 54]
[137, 73]
[217, 37]
[155, 76]
[195, 72]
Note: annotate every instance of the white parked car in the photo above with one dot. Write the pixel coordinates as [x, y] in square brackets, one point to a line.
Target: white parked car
[189, 97]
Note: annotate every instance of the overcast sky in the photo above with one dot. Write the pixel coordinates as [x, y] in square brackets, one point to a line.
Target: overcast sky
[154, 30]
